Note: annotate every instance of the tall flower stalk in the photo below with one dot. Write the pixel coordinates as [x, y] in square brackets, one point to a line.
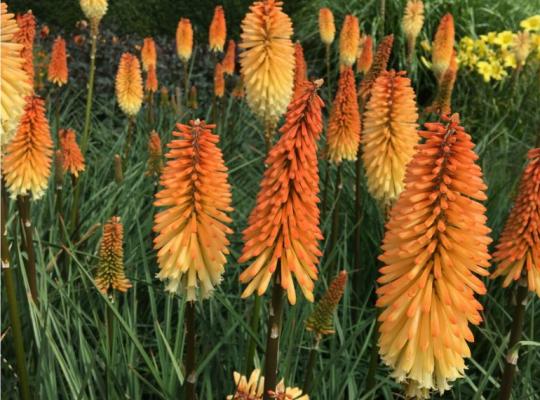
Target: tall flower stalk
[184, 48]
[327, 32]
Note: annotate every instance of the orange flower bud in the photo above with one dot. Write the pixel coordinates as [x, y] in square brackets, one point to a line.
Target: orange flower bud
[377, 67]
[283, 229]
[229, 61]
[443, 100]
[344, 123]
[365, 56]
[184, 39]
[151, 83]
[518, 250]
[192, 99]
[26, 36]
[110, 273]
[327, 28]
[436, 243]
[155, 155]
[219, 81]
[129, 89]
[58, 68]
[12, 75]
[389, 136]
[191, 231]
[300, 70]
[349, 40]
[72, 158]
[27, 162]
[443, 46]
[218, 30]
[267, 60]
[149, 54]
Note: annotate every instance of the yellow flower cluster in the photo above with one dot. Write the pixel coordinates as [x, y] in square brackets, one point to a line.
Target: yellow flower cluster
[495, 54]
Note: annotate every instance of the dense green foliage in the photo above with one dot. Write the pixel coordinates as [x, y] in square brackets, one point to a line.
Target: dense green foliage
[65, 336]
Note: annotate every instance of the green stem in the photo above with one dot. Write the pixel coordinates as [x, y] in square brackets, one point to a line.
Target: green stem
[373, 360]
[334, 233]
[191, 377]
[383, 16]
[13, 308]
[328, 83]
[515, 336]
[326, 182]
[272, 342]
[186, 82]
[312, 362]
[23, 204]
[127, 144]
[254, 325]
[86, 130]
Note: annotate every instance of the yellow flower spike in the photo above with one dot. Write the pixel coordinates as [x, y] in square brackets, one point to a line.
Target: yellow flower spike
[184, 39]
[13, 78]
[94, 10]
[413, 20]
[267, 60]
[327, 27]
[349, 41]
[110, 274]
[129, 87]
[27, 162]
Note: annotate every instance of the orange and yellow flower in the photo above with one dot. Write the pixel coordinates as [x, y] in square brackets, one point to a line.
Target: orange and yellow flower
[129, 88]
[13, 78]
[110, 272]
[349, 41]
[154, 165]
[229, 61]
[27, 162]
[380, 62]
[148, 54]
[443, 100]
[26, 36]
[283, 228]
[344, 124]
[365, 55]
[72, 157]
[300, 67]
[412, 22]
[184, 39]
[219, 81]
[436, 243]
[267, 59]
[389, 135]
[191, 231]
[443, 46]
[245, 389]
[151, 83]
[327, 27]
[218, 30]
[518, 250]
[58, 68]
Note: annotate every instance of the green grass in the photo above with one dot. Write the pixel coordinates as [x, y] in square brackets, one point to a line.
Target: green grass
[66, 339]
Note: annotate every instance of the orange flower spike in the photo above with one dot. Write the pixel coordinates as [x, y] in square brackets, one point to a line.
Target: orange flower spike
[155, 155]
[389, 135]
[443, 46]
[184, 39]
[58, 68]
[27, 162]
[349, 41]
[13, 78]
[218, 30]
[129, 89]
[219, 81]
[300, 70]
[283, 228]
[148, 54]
[412, 22]
[229, 61]
[267, 59]
[110, 273]
[435, 246]
[443, 100]
[327, 27]
[380, 62]
[365, 57]
[191, 229]
[344, 123]
[26, 36]
[72, 158]
[151, 83]
[518, 250]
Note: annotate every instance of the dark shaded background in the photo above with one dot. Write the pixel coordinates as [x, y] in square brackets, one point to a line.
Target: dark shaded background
[149, 17]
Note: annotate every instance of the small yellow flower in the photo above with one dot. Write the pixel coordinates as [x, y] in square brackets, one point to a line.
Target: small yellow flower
[489, 38]
[426, 45]
[504, 39]
[497, 70]
[485, 69]
[426, 62]
[466, 43]
[509, 60]
[531, 23]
